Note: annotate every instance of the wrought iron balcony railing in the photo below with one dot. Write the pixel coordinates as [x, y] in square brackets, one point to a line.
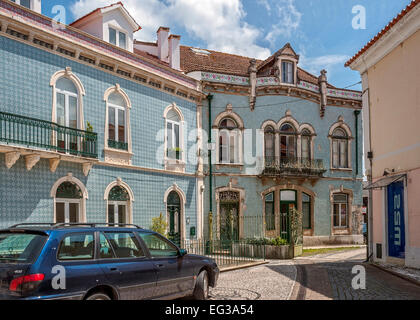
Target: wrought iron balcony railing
[293, 166]
[118, 145]
[31, 132]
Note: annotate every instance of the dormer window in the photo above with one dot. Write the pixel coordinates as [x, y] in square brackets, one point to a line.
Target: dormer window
[117, 38]
[288, 71]
[25, 3]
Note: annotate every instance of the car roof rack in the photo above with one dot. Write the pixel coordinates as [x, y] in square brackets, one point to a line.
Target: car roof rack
[94, 224]
[32, 224]
[75, 224]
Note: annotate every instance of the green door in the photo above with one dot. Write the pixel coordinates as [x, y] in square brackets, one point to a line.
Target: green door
[288, 202]
[229, 216]
[174, 213]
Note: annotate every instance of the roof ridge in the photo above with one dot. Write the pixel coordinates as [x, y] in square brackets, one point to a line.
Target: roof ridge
[383, 31]
[231, 54]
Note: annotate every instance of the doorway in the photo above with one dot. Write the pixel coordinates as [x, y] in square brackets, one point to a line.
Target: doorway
[288, 202]
[229, 215]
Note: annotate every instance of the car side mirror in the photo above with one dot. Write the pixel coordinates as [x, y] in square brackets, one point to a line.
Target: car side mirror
[182, 252]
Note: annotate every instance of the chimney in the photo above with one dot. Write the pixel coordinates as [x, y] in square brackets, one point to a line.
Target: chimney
[322, 81]
[163, 44]
[174, 52]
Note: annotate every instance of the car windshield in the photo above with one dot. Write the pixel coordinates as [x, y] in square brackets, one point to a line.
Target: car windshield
[20, 247]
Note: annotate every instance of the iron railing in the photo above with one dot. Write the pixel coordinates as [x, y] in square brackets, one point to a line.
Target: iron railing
[31, 132]
[118, 145]
[293, 166]
[226, 253]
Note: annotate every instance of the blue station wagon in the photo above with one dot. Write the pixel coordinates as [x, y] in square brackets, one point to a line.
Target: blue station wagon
[98, 262]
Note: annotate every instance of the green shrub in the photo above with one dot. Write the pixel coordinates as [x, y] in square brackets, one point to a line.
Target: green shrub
[268, 242]
[159, 225]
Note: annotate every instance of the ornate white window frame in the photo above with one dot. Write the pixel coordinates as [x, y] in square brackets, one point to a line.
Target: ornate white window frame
[311, 129]
[116, 155]
[175, 164]
[82, 202]
[230, 114]
[67, 73]
[183, 198]
[340, 230]
[342, 125]
[129, 203]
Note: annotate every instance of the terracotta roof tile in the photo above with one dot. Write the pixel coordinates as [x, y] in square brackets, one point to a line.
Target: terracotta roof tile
[220, 62]
[384, 31]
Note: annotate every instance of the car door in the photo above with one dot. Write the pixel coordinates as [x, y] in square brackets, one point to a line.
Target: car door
[125, 265]
[78, 270]
[174, 273]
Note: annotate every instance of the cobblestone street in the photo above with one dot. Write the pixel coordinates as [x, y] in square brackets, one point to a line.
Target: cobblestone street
[321, 277]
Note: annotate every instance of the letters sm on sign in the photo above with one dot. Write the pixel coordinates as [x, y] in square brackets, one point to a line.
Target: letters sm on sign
[396, 226]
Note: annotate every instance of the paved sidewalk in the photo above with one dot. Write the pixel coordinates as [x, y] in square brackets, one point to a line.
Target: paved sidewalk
[407, 273]
[272, 281]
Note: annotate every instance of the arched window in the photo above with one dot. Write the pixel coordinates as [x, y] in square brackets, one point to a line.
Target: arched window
[306, 144]
[269, 144]
[173, 204]
[117, 122]
[340, 149]
[173, 135]
[68, 200]
[288, 142]
[118, 205]
[229, 135]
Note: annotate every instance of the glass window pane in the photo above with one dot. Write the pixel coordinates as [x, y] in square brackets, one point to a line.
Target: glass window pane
[343, 215]
[77, 247]
[73, 112]
[288, 195]
[67, 85]
[122, 214]
[159, 247]
[74, 212]
[111, 213]
[340, 198]
[343, 154]
[25, 3]
[176, 136]
[291, 147]
[116, 99]
[125, 244]
[113, 36]
[335, 154]
[306, 148]
[172, 115]
[123, 40]
[61, 113]
[306, 208]
[59, 213]
[232, 150]
[105, 250]
[336, 217]
[121, 125]
[111, 123]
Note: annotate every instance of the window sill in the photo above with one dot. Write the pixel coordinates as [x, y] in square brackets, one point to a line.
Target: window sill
[238, 165]
[174, 165]
[117, 156]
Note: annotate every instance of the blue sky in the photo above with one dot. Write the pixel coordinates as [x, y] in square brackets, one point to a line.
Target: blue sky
[319, 30]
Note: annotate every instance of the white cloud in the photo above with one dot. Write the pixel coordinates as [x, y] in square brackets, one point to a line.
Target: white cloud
[328, 62]
[219, 23]
[289, 21]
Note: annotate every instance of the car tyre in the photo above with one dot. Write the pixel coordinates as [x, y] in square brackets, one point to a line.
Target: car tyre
[98, 296]
[201, 290]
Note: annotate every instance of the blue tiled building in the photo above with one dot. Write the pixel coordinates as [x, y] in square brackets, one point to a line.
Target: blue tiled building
[90, 129]
[281, 138]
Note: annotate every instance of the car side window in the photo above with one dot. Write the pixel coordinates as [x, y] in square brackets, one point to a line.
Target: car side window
[105, 250]
[125, 244]
[159, 247]
[78, 246]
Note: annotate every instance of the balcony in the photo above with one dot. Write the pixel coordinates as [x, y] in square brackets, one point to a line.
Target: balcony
[37, 139]
[296, 167]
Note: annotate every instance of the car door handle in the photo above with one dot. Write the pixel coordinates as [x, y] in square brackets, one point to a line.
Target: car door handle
[114, 269]
[160, 266]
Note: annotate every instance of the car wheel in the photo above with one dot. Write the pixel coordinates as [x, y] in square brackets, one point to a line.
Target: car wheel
[98, 296]
[201, 290]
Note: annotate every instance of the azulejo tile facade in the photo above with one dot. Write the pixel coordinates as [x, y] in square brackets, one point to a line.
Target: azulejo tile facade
[101, 128]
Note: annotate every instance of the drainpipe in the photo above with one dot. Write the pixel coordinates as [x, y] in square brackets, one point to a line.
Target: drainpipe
[209, 99]
[356, 116]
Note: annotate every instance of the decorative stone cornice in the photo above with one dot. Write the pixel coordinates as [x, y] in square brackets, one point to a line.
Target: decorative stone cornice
[31, 161]
[11, 158]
